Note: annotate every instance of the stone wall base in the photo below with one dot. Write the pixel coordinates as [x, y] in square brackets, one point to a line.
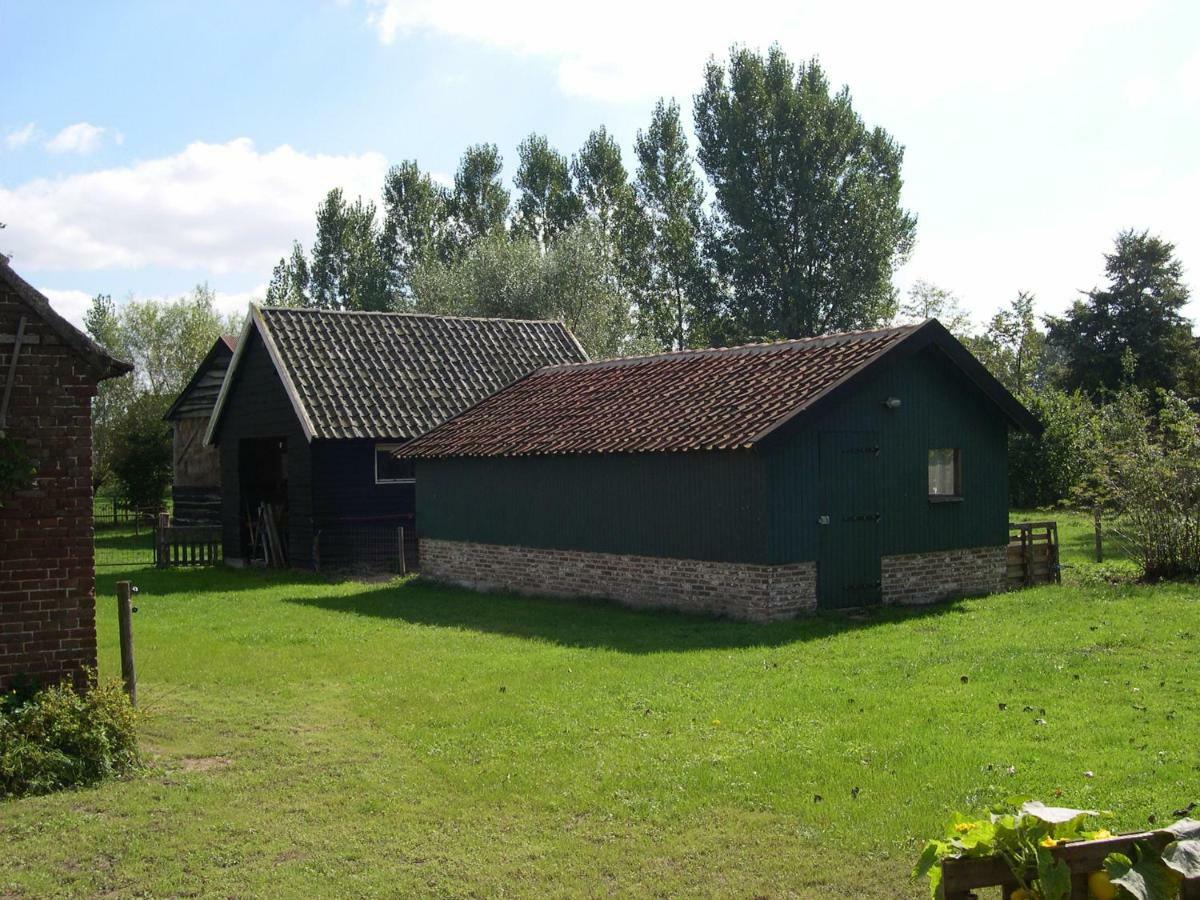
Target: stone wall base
[928, 577]
[738, 590]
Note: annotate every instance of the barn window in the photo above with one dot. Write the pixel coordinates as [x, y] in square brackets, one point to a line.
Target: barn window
[388, 469]
[945, 473]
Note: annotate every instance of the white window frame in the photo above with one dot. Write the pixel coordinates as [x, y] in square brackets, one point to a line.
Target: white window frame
[385, 448]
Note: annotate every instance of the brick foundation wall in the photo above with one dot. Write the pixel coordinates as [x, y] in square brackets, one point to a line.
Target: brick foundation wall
[738, 590]
[927, 577]
[47, 603]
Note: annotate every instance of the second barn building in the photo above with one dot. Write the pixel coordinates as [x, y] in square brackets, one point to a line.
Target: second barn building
[756, 482]
[316, 403]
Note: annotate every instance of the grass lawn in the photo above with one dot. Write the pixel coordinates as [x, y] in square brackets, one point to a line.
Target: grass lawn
[309, 738]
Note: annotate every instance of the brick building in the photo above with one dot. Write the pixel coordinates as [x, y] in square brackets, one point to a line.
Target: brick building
[755, 482]
[48, 376]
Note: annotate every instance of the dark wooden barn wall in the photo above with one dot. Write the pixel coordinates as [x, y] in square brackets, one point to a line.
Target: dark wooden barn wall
[683, 505]
[344, 489]
[939, 408]
[258, 406]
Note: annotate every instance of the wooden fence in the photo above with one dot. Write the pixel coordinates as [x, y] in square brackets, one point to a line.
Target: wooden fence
[1033, 554]
[186, 545]
[962, 877]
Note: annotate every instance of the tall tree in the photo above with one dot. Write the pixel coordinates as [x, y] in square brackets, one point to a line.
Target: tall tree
[602, 183]
[348, 269]
[289, 280]
[672, 198]
[328, 268]
[809, 226]
[364, 283]
[1137, 318]
[547, 205]
[415, 223]
[1012, 346]
[928, 301]
[479, 204]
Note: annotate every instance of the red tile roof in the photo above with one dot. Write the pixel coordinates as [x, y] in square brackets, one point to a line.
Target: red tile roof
[689, 400]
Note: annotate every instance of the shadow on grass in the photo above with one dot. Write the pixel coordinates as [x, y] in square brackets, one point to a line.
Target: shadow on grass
[598, 623]
[218, 579]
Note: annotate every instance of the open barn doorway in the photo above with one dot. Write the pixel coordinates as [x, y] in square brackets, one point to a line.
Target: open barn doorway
[263, 475]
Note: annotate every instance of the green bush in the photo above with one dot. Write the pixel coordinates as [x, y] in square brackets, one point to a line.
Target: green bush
[58, 738]
[1043, 471]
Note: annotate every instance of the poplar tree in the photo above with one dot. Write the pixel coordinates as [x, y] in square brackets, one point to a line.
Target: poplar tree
[671, 198]
[547, 205]
[479, 204]
[808, 223]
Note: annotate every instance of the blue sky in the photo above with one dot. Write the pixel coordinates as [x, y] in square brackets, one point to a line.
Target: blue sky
[147, 146]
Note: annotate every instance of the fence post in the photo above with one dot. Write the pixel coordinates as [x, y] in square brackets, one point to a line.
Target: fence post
[316, 551]
[403, 561]
[125, 623]
[161, 540]
[1099, 534]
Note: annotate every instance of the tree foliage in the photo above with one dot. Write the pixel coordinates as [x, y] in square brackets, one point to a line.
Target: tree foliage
[546, 204]
[1138, 315]
[673, 290]
[141, 451]
[416, 224]
[165, 342]
[502, 277]
[1144, 468]
[480, 202]
[1013, 347]
[808, 222]
[1045, 470]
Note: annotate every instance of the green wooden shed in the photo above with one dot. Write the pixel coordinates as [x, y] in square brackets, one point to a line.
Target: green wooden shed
[756, 482]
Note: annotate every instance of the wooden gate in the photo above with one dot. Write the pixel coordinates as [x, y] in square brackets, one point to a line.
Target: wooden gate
[1033, 554]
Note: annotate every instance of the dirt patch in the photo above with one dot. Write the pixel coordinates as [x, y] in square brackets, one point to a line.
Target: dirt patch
[205, 763]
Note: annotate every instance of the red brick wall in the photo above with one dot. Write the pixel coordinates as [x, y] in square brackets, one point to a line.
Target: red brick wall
[47, 568]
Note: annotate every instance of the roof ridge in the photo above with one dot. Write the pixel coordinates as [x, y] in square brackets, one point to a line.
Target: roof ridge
[409, 315]
[818, 340]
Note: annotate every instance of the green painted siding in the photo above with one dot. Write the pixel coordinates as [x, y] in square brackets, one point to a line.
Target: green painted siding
[683, 505]
[939, 408]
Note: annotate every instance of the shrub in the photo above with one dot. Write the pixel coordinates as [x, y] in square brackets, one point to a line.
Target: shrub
[58, 738]
[1145, 468]
[1042, 471]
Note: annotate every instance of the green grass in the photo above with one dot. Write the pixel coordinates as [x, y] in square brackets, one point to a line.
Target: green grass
[309, 738]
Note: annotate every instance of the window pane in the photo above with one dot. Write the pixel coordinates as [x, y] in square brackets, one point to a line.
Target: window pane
[388, 468]
[943, 472]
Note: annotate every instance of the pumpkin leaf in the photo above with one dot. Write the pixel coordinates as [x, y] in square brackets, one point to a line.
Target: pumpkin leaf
[1054, 815]
[1184, 830]
[1054, 876]
[1183, 857]
[1147, 879]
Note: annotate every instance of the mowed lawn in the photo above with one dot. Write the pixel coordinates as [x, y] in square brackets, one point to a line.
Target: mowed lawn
[317, 739]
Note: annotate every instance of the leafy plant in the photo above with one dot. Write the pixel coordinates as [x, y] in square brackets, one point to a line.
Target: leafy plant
[1024, 832]
[16, 468]
[57, 738]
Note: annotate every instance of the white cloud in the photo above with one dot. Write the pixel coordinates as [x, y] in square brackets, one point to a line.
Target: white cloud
[21, 136]
[217, 208]
[82, 137]
[73, 304]
[1142, 90]
[920, 50]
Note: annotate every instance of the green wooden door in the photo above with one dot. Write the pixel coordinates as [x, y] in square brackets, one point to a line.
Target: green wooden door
[848, 564]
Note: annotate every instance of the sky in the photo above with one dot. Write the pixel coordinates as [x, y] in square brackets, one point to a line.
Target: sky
[147, 147]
